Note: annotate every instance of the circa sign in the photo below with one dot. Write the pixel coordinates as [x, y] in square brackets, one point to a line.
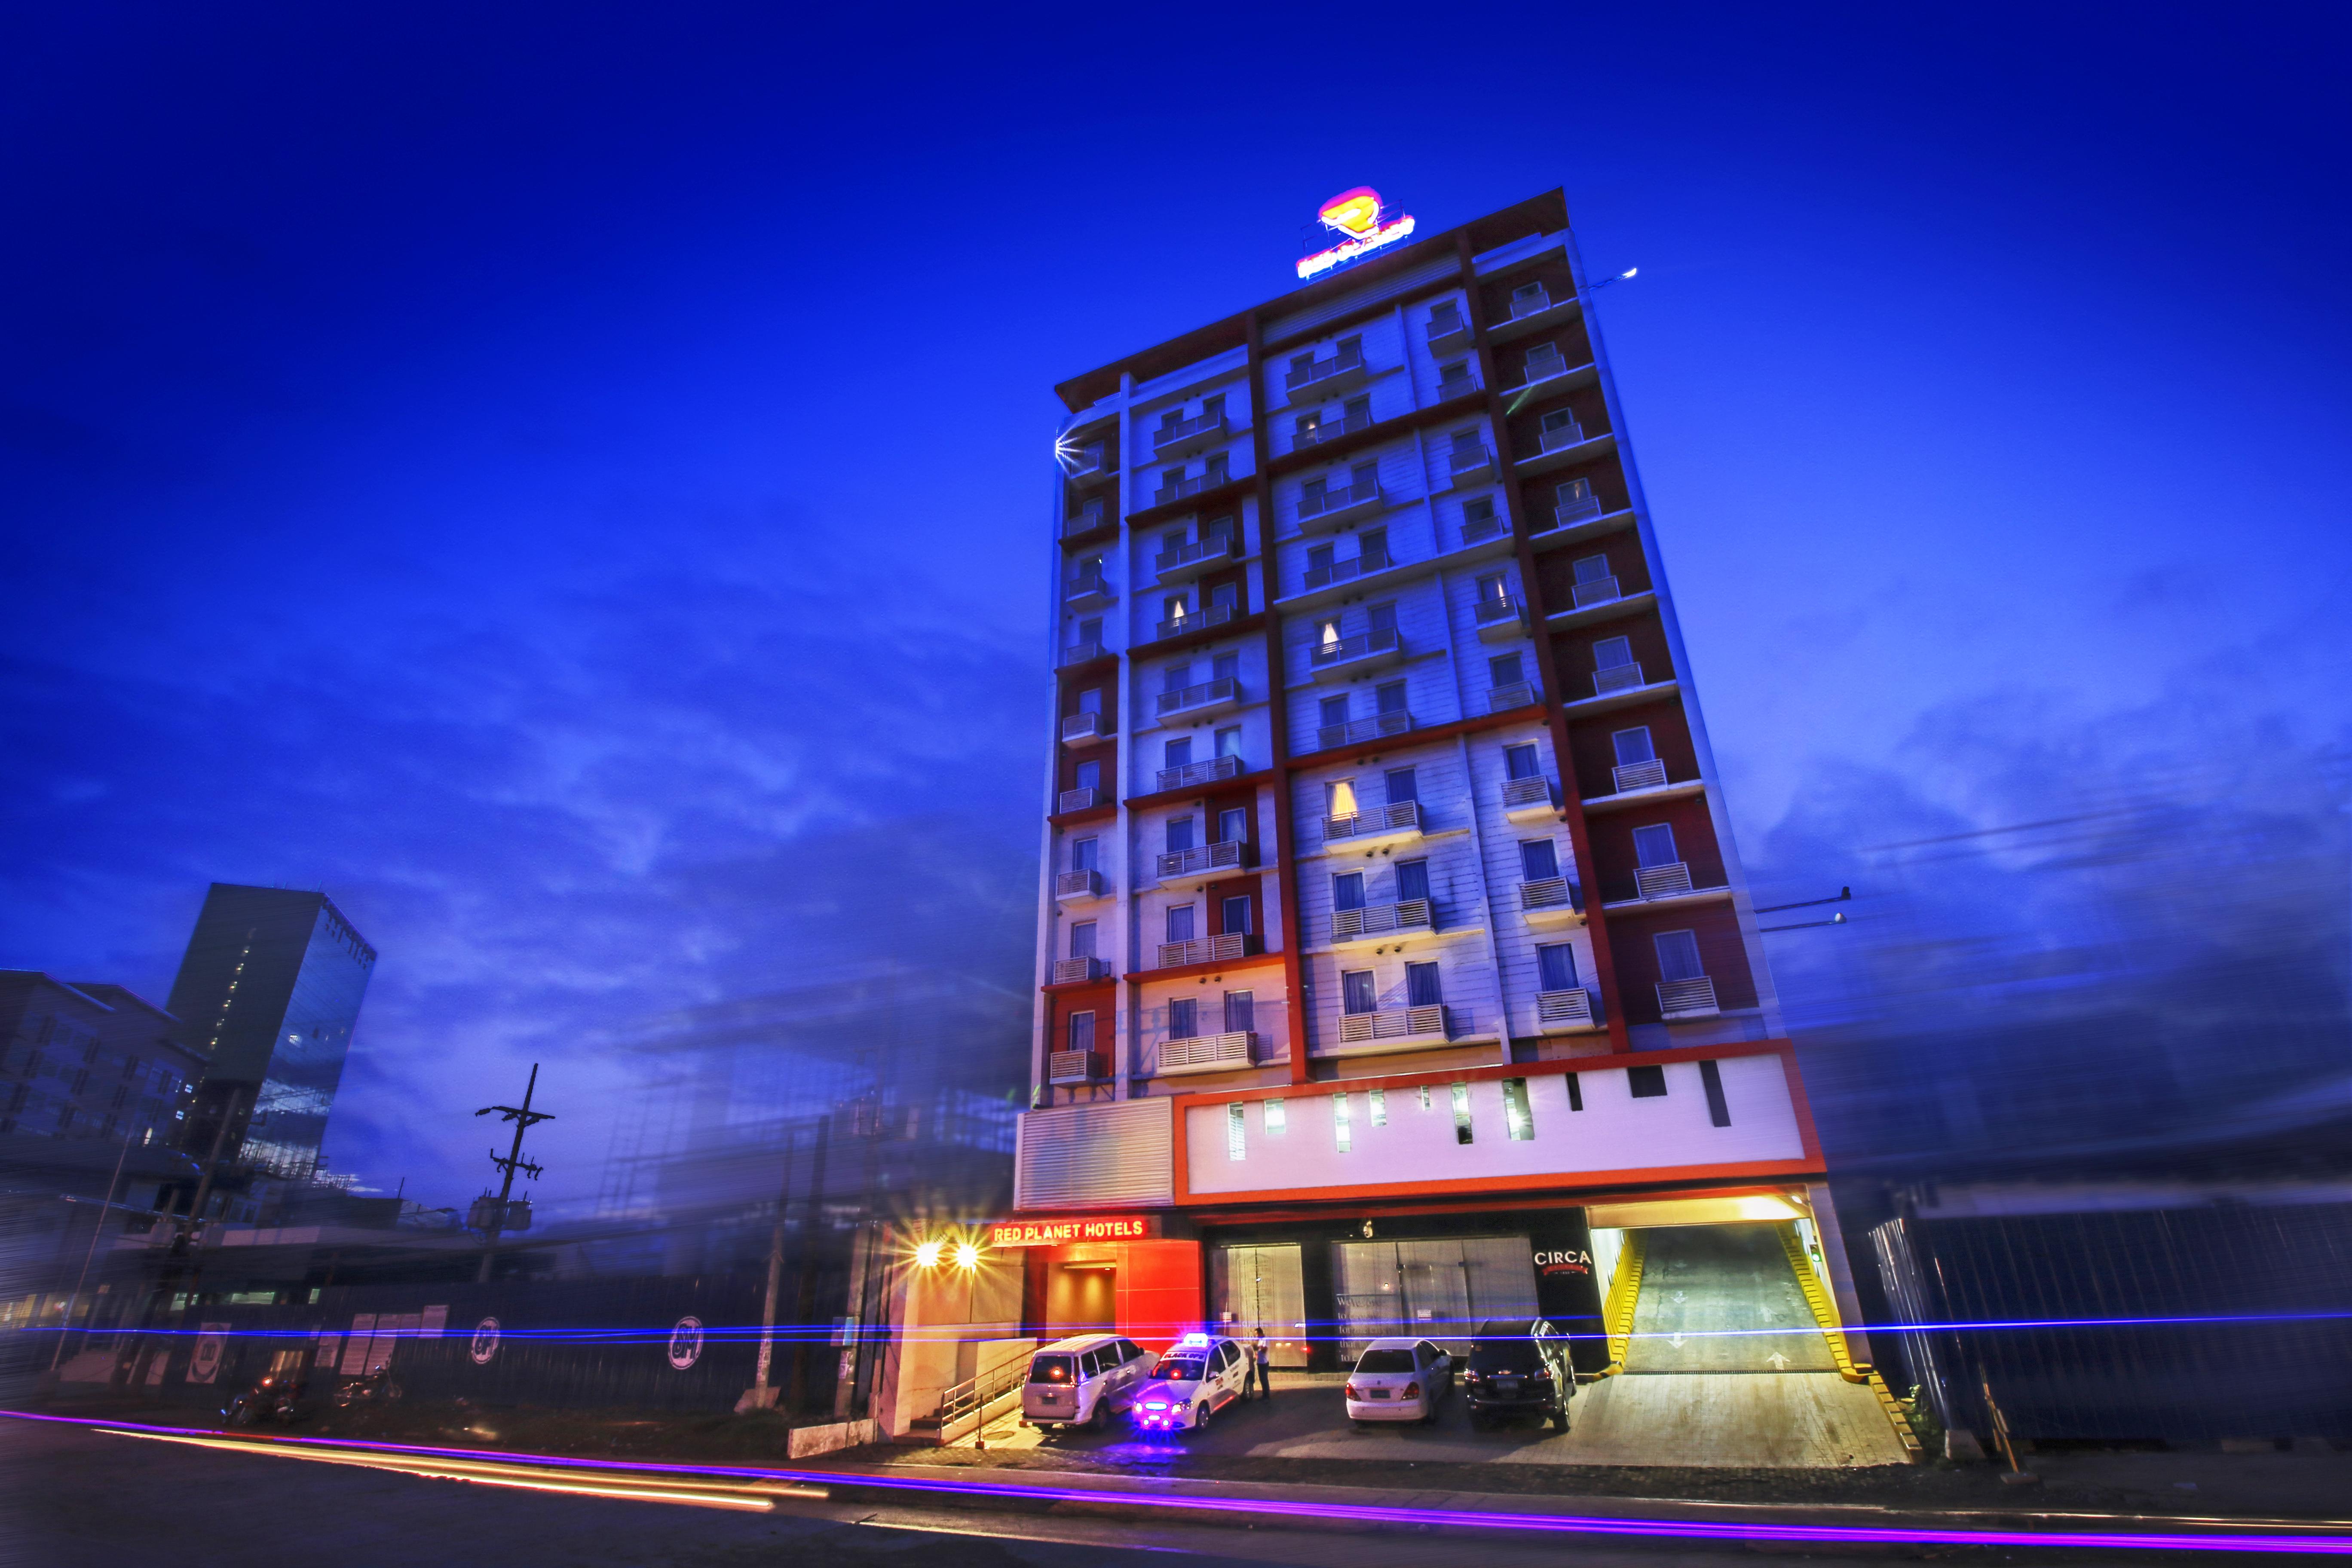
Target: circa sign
[1054, 1232]
[1363, 225]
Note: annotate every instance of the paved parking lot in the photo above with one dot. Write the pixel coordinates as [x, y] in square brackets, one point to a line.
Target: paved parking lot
[1790, 1420]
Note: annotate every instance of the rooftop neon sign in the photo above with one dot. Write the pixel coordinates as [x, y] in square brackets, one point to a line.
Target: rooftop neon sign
[1362, 222]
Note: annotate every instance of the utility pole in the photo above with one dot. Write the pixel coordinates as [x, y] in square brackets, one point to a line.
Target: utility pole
[97, 1230]
[762, 1393]
[525, 1119]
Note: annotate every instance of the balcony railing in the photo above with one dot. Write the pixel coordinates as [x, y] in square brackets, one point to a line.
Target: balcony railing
[1559, 437]
[1393, 1022]
[1087, 883]
[1526, 797]
[1196, 431]
[1456, 386]
[1571, 1008]
[1617, 677]
[1176, 626]
[1543, 364]
[1638, 776]
[1337, 502]
[1519, 694]
[1591, 591]
[1554, 894]
[1201, 859]
[1085, 519]
[1086, 726]
[1186, 776]
[1070, 1067]
[1502, 615]
[1582, 509]
[1344, 571]
[1192, 485]
[1082, 653]
[1331, 430]
[1663, 881]
[1089, 464]
[1086, 797]
[1341, 652]
[1380, 920]
[1356, 732]
[1449, 334]
[1687, 998]
[1325, 373]
[1200, 694]
[1222, 949]
[1402, 818]
[1534, 302]
[1077, 971]
[1471, 463]
[1208, 1053]
[1491, 526]
[1088, 586]
[1191, 558]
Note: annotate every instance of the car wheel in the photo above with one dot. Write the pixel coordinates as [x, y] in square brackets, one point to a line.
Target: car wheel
[1100, 1418]
[1200, 1416]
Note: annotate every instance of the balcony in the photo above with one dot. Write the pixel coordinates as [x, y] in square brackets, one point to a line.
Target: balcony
[1086, 726]
[1071, 887]
[1394, 824]
[1449, 334]
[1316, 435]
[1453, 386]
[1394, 1029]
[1344, 658]
[1549, 902]
[1185, 437]
[1086, 797]
[1079, 653]
[1192, 560]
[1327, 378]
[1191, 776]
[1546, 363]
[1208, 1053]
[1529, 802]
[1664, 881]
[1176, 626]
[1518, 694]
[1201, 696]
[1617, 677]
[1228, 948]
[1078, 971]
[1501, 620]
[1320, 511]
[1345, 571]
[1088, 591]
[1569, 513]
[1590, 591]
[1381, 923]
[1494, 525]
[1201, 863]
[1680, 999]
[1627, 776]
[1088, 466]
[1358, 732]
[1535, 301]
[1471, 465]
[1559, 437]
[1565, 1012]
[1085, 519]
[1072, 1067]
[1189, 487]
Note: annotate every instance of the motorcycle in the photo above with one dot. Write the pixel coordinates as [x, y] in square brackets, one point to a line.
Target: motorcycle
[274, 1398]
[374, 1387]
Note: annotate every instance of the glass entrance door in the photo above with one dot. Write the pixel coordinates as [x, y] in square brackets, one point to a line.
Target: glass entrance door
[1261, 1289]
[1437, 1289]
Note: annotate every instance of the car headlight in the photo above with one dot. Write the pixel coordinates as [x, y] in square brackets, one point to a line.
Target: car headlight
[1155, 1405]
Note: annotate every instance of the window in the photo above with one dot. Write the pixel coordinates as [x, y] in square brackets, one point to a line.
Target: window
[1519, 762]
[1575, 1092]
[1356, 995]
[1333, 711]
[1357, 408]
[1363, 477]
[1492, 590]
[1226, 594]
[1347, 890]
[1085, 854]
[1575, 495]
[1169, 479]
[1228, 740]
[1090, 629]
[1353, 347]
[1225, 666]
[1277, 1120]
[1372, 549]
[1173, 610]
[1184, 1018]
[1380, 1101]
[1646, 1082]
[1236, 1132]
[1176, 677]
[1311, 494]
[1322, 558]
[1340, 1121]
[1241, 1012]
[1424, 1097]
[1402, 787]
[1539, 859]
[1477, 510]
[1215, 470]
[1180, 833]
[1388, 697]
[1518, 1118]
[1089, 773]
[1678, 955]
[1327, 630]
[1468, 445]
[1381, 618]
[1172, 541]
[1506, 669]
[1412, 880]
[1526, 294]
[1593, 569]
[1082, 1032]
[1633, 746]
[1180, 922]
[1082, 939]
[1612, 653]
[1233, 824]
[1718, 1110]
[1175, 754]
[1308, 424]
[1556, 967]
[1235, 914]
[1420, 986]
[1446, 317]
[1213, 405]
[1559, 419]
[1090, 699]
[1454, 371]
[1654, 846]
[1461, 1113]
[1339, 796]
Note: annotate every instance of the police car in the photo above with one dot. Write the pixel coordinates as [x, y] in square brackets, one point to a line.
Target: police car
[1201, 1374]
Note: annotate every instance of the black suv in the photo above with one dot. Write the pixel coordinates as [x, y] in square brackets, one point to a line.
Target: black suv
[1519, 1367]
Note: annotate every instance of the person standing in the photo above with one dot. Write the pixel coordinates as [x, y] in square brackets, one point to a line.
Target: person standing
[1261, 1365]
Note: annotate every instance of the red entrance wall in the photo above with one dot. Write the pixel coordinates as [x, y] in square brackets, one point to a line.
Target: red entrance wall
[1160, 1295]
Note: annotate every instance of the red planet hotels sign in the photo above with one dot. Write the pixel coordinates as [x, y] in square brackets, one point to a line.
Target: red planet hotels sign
[1054, 1232]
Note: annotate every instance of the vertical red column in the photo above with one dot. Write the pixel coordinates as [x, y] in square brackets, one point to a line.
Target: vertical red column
[1161, 1293]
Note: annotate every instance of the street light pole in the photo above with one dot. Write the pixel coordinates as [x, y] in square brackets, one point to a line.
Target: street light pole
[524, 1118]
[97, 1230]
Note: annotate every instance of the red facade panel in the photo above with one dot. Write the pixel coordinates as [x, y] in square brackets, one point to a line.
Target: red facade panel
[1719, 947]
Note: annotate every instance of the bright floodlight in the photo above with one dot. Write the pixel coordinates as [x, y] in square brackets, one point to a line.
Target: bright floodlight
[967, 1256]
[927, 1255]
[1629, 272]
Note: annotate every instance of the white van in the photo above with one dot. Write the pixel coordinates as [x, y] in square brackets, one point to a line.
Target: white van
[1083, 1381]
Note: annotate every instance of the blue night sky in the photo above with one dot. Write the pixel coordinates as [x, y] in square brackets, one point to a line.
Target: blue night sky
[569, 480]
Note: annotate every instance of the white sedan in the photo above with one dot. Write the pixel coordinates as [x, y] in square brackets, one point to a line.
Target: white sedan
[1201, 1374]
[1399, 1380]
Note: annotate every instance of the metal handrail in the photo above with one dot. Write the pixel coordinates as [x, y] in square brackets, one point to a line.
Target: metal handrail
[1184, 429]
[1559, 437]
[1388, 1023]
[1069, 1066]
[1082, 653]
[1527, 792]
[1194, 553]
[1542, 302]
[1687, 998]
[1361, 646]
[1466, 459]
[1085, 882]
[977, 1394]
[1072, 971]
[1084, 521]
[1083, 726]
[1186, 774]
[1213, 616]
[1617, 677]
[1356, 731]
[1548, 893]
[1638, 776]
[1223, 948]
[1238, 1046]
[1374, 919]
[1574, 512]
[1401, 814]
[1519, 694]
[1459, 386]
[1596, 591]
[1341, 570]
[1191, 485]
[1543, 363]
[1339, 500]
[1487, 527]
[1490, 610]
[1230, 855]
[1323, 370]
[1571, 1006]
[1330, 430]
[1084, 797]
[1663, 881]
[1200, 692]
[1087, 582]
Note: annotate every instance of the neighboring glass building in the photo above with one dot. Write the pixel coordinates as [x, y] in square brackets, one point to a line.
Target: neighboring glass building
[270, 989]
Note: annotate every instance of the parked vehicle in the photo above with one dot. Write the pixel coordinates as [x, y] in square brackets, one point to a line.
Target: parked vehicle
[1519, 1367]
[276, 1397]
[1200, 1375]
[1399, 1380]
[374, 1387]
[1083, 1381]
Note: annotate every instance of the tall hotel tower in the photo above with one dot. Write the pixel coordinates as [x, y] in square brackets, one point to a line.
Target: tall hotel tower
[1394, 961]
